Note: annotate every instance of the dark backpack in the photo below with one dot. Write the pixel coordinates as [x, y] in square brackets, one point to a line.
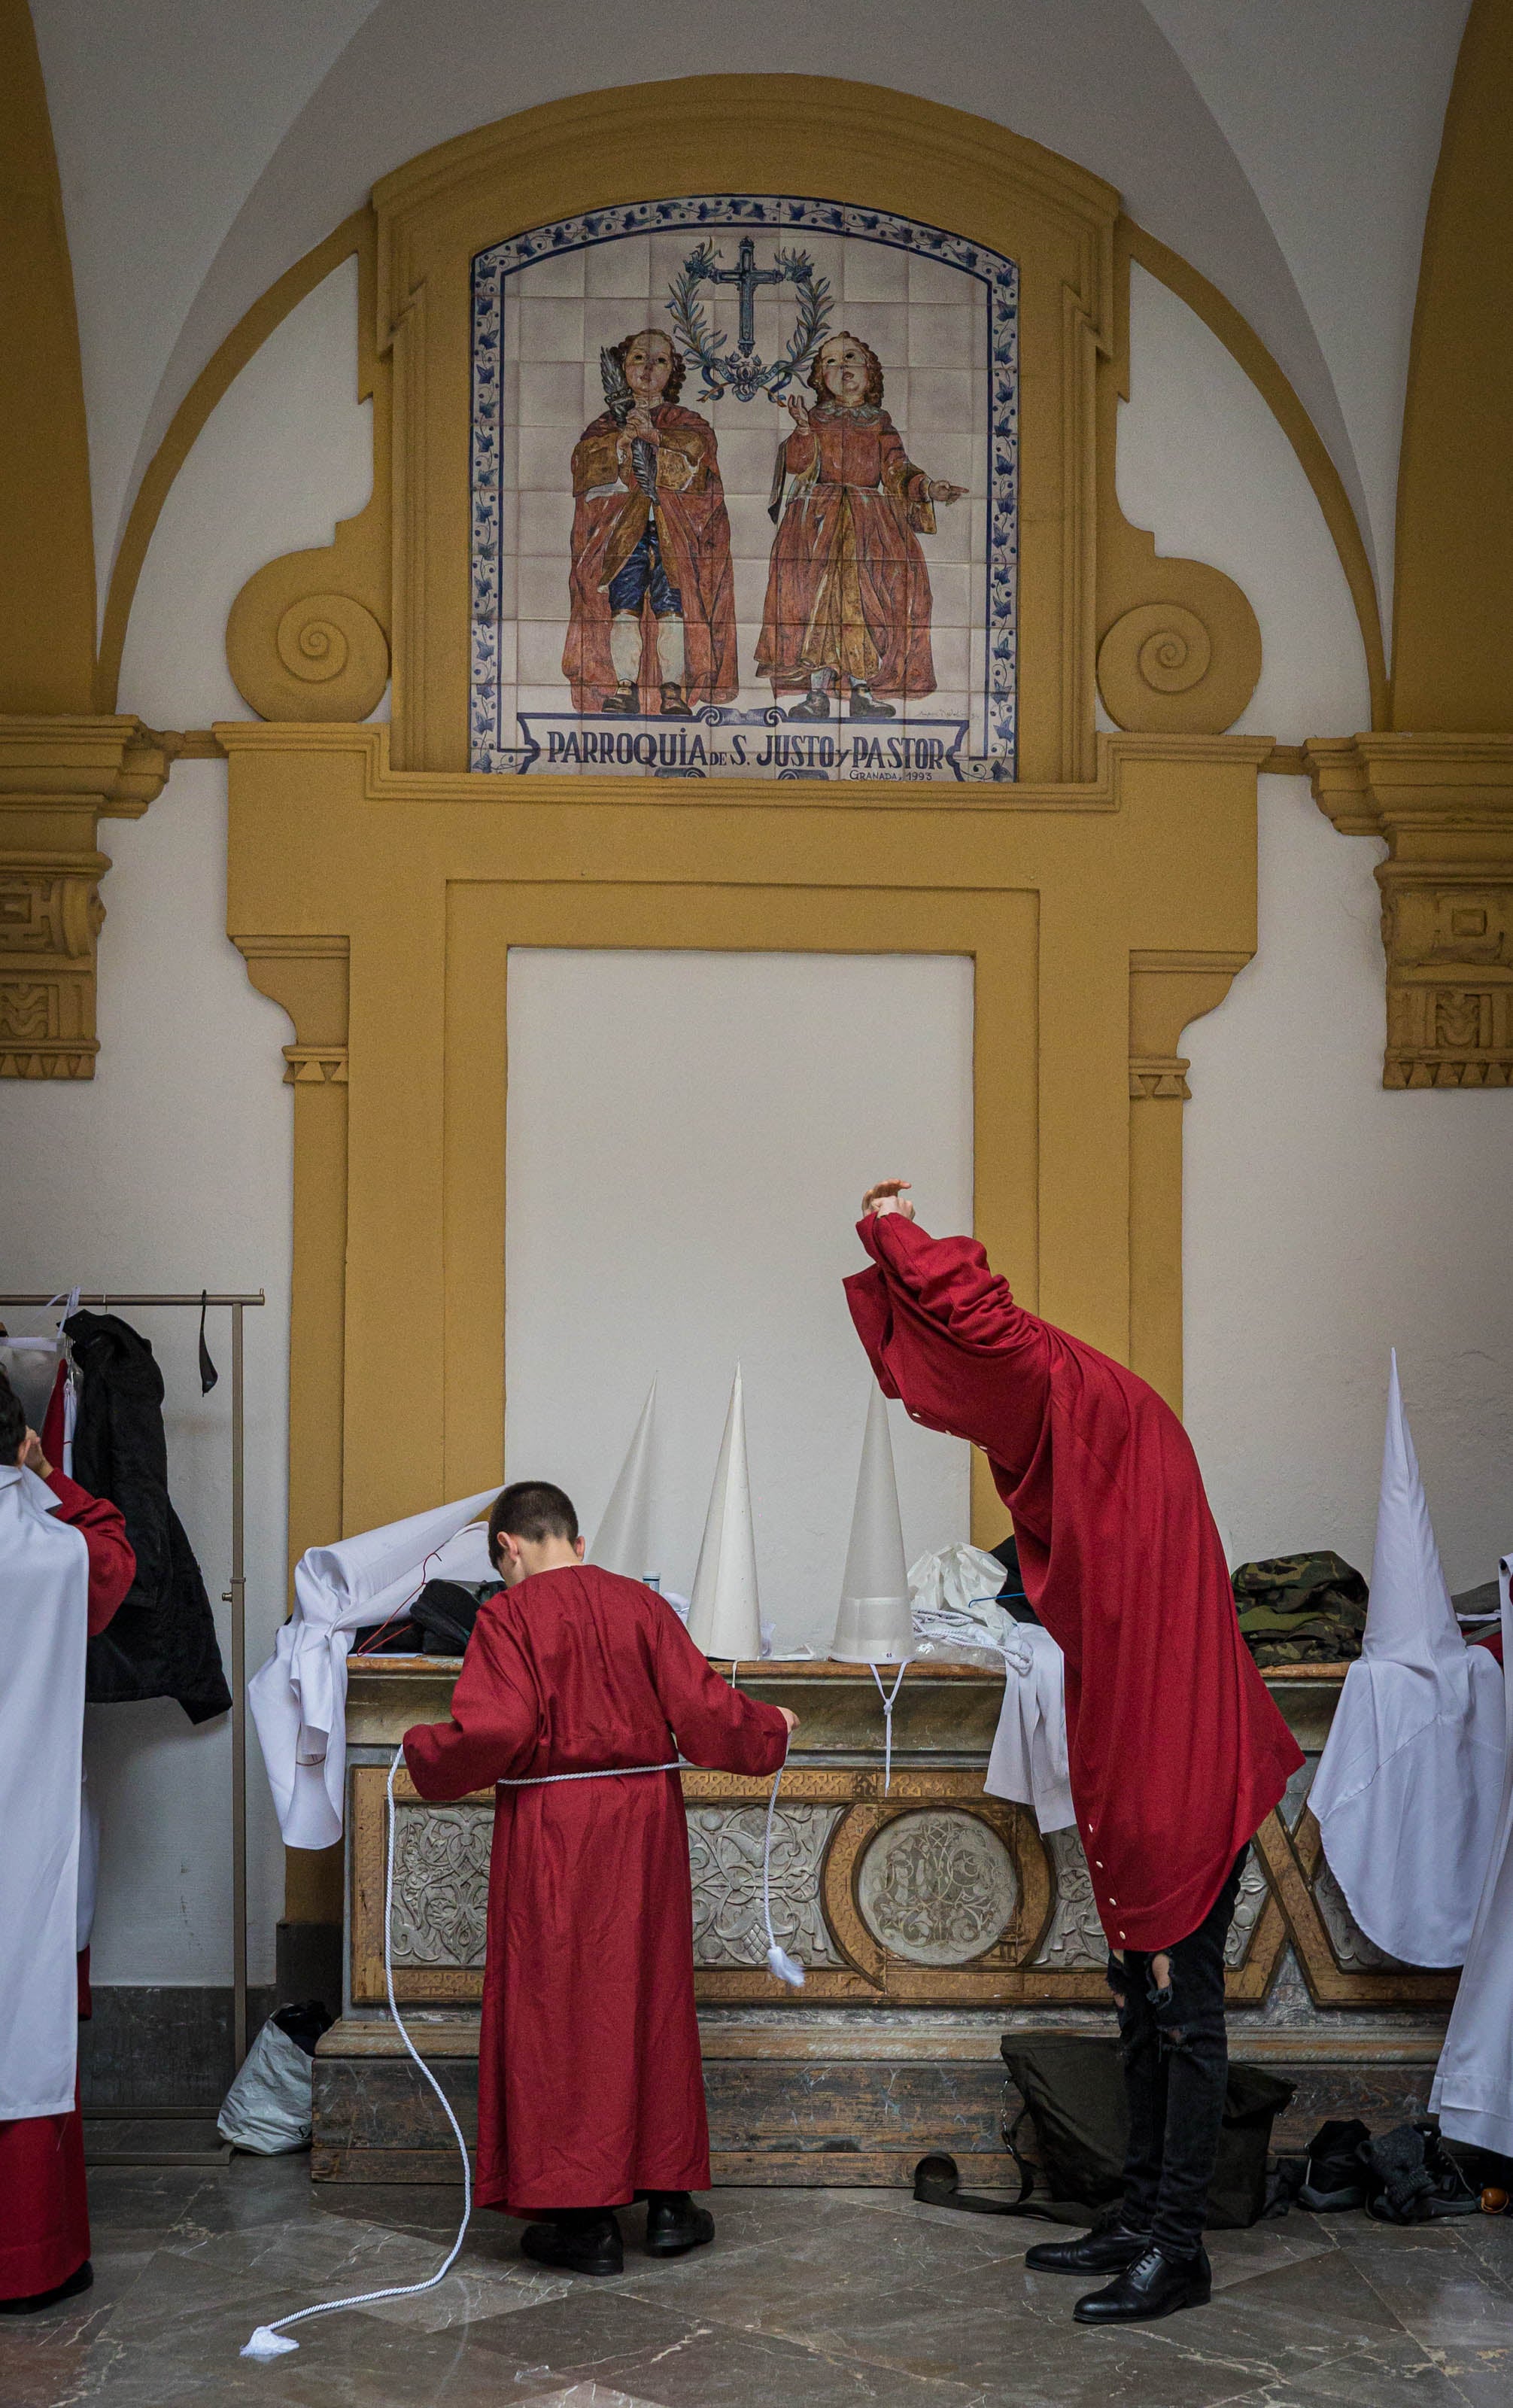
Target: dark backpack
[1073, 2090]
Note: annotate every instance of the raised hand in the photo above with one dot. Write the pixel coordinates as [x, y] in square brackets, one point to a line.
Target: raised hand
[31, 1457]
[888, 1195]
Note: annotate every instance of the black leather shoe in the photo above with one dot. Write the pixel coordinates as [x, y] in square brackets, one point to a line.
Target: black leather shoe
[588, 2245]
[1099, 2251]
[1153, 2286]
[674, 2224]
[815, 705]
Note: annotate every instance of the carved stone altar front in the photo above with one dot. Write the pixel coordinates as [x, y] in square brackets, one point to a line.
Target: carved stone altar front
[929, 1918]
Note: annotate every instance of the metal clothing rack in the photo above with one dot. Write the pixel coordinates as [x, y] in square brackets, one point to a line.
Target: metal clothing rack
[235, 1597]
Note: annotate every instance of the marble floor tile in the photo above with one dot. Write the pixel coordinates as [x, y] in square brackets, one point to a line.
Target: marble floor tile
[814, 2297]
[626, 2343]
[1434, 2283]
[469, 2295]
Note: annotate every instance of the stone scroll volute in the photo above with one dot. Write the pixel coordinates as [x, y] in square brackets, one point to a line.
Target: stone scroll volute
[1179, 643]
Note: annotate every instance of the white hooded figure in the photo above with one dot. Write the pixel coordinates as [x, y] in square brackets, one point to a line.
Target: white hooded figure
[1473, 2092]
[1407, 1789]
[299, 1697]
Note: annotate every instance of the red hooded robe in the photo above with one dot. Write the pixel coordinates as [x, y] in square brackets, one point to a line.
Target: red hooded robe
[1177, 1752]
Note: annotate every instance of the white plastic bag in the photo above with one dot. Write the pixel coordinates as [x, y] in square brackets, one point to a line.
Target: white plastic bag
[268, 2108]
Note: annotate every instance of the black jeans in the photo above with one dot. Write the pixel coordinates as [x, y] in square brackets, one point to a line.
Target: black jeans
[1175, 2070]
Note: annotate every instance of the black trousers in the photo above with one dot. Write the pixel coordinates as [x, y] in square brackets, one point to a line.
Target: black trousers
[1175, 2070]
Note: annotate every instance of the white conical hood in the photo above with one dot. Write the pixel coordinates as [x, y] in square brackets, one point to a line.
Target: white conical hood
[623, 1542]
[1410, 1618]
[875, 1624]
[724, 1618]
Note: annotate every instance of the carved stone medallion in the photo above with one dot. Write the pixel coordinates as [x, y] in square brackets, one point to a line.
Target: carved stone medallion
[938, 1889]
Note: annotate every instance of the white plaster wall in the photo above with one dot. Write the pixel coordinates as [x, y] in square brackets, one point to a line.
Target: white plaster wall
[1326, 1220]
[171, 1169]
[690, 1139]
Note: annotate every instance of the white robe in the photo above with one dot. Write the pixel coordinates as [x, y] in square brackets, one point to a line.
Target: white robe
[1409, 1785]
[299, 1697]
[44, 1627]
[1473, 2090]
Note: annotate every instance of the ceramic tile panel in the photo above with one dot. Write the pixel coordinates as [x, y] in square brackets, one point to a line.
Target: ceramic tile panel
[734, 585]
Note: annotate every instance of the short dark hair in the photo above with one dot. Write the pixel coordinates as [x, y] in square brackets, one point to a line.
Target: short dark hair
[13, 1424]
[532, 1509]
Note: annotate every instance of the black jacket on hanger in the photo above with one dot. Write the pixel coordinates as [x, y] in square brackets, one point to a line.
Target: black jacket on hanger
[161, 1643]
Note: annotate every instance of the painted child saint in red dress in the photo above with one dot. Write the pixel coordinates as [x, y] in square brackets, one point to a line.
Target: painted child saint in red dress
[848, 589]
[652, 595]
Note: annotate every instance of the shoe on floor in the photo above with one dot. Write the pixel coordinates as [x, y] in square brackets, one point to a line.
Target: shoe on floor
[674, 2224]
[79, 2280]
[1153, 2286]
[1107, 2249]
[586, 2245]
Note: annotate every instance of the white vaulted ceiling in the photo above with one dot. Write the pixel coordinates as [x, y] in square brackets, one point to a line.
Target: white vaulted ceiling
[1285, 149]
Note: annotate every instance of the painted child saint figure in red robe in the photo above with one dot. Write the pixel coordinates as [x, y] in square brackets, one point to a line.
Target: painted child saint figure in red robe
[849, 598]
[652, 592]
[1177, 1751]
[591, 2085]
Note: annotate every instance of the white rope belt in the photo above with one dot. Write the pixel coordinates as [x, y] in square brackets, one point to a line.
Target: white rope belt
[600, 1773]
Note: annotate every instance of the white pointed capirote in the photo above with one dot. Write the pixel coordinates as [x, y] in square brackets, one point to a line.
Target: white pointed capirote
[1407, 1789]
[876, 1622]
[623, 1542]
[1410, 1619]
[724, 1618]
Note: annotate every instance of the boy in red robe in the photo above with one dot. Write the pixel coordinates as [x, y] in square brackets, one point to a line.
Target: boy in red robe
[590, 2085]
[1177, 1751]
[44, 2206]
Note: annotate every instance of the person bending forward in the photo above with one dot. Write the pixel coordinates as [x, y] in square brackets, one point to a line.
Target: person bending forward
[1177, 1751]
[590, 2086]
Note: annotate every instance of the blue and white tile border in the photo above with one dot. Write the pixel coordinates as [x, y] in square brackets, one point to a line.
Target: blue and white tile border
[999, 275]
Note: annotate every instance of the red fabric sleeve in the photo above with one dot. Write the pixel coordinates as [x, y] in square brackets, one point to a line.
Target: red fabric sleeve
[942, 1331]
[496, 1725]
[112, 1563]
[717, 1727]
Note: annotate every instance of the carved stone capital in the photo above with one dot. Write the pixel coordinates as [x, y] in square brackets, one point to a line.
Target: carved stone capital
[1444, 805]
[59, 778]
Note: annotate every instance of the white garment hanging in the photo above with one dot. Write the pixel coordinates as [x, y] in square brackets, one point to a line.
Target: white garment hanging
[44, 1624]
[298, 1697]
[1408, 1787]
[1029, 1759]
[1473, 2090]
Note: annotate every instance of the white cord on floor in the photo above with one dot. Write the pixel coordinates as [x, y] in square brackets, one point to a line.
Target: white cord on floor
[271, 2340]
[888, 1701]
